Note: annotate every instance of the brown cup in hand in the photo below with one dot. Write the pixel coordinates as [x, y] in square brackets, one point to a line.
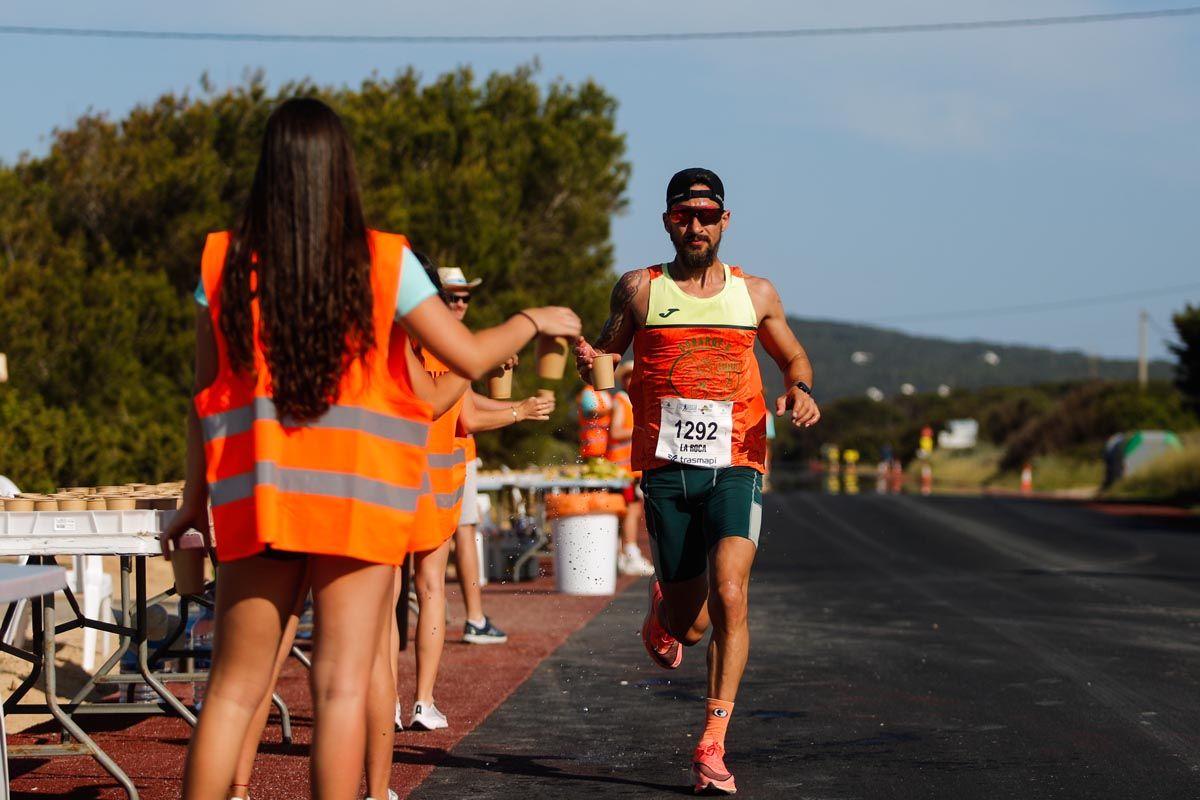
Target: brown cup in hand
[602, 371]
[552, 357]
[500, 384]
[187, 562]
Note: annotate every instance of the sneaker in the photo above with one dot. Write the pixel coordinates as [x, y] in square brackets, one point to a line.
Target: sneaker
[634, 563]
[708, 766]
[399, 721]
[391, 796]
[488, 634]
[664, 648]
[426, 717]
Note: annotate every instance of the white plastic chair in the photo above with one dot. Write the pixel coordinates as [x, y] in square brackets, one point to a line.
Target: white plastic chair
[89, 579]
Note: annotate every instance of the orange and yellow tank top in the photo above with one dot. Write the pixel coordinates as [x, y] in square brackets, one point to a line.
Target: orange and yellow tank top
[696, 388]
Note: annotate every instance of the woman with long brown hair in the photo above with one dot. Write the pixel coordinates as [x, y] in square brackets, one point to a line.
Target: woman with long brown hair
[307, 434]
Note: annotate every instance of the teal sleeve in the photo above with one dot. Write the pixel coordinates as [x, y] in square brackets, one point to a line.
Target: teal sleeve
[201, 297]
[415, 286]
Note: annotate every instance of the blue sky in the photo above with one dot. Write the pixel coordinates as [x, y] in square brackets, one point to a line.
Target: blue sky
[903, 180]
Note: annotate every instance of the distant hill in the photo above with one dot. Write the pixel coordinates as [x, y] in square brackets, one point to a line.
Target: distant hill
[889, 358]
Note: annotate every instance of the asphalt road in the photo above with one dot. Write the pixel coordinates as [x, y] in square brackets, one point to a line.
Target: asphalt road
[903, 647]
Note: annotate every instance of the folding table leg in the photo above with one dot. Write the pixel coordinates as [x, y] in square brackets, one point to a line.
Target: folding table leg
[64, 719]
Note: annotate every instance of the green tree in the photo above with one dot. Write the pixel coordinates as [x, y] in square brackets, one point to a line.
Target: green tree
[1187, 368]
[510, 178]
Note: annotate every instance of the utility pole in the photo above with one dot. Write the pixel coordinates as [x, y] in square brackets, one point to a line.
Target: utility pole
[1143, 349]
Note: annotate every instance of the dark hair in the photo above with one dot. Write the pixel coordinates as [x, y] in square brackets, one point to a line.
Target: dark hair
[301, 250]
[430, 270]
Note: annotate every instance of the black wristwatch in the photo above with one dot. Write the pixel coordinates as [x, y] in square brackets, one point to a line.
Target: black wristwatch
[804, 387]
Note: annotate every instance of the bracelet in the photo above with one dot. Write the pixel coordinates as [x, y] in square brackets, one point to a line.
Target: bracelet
[536, 330]
[804, 387]
[514, 410]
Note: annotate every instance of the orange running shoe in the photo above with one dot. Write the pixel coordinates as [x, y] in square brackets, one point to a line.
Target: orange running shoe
[664, 648]
[708, 765]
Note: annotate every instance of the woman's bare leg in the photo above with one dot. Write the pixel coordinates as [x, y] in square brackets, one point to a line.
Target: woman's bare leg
[254, 597]
[349, 599]
[430, 580]
[466, 559]
[381, 702]
[245, 768]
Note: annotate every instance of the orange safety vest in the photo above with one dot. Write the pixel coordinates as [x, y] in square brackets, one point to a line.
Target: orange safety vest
[447, 473]
[593, 429]
[698, 349]
[465, 440]
[620, 432]
[345, 484]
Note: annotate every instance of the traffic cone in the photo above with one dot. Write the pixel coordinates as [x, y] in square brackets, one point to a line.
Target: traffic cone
[926, 479]
[1027, 479]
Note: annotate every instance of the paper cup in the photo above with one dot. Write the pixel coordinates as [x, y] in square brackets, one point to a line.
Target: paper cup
[187, 562]
[72, 504]
[500, 384]
[602, 371]
[545, 394]
[96, 504]
[18, 504]
[45, 505]
[120, 503]
[552, 357]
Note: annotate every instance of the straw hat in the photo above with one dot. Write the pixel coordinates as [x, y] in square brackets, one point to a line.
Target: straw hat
[453, 278]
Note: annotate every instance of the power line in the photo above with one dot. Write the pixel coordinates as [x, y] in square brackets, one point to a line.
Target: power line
[599, 38]
[1050, 305]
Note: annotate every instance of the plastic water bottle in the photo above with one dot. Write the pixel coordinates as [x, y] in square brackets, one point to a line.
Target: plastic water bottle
[200, 642]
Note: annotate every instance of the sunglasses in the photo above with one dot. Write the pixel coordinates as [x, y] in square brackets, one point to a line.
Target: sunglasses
[455, 297]
[683, 215]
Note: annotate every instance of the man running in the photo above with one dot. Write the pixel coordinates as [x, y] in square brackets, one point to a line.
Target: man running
[700, 439]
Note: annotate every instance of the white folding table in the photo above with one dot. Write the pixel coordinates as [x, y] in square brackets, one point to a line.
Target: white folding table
[23, 582]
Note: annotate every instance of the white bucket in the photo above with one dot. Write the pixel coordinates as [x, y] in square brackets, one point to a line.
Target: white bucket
[585, 554]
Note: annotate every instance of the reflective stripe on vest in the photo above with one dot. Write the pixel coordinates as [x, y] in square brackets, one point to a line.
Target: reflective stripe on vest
[314, 482]
[338, 417]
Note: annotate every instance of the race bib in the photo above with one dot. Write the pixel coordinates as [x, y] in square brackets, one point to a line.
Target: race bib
[698, 433]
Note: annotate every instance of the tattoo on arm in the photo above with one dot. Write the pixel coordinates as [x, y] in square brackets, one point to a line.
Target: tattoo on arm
[618, 328]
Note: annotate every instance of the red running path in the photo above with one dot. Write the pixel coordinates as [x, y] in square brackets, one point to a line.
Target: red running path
[474, 680]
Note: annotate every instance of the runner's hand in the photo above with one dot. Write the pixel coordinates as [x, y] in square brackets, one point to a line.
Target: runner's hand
[805, 412]
[584, 353]
[555, 321]
[192, 514]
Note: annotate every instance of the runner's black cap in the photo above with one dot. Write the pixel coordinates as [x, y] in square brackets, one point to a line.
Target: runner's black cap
[679, 189]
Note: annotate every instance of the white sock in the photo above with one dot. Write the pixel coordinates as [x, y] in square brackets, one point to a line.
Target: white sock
[478, 623]
[632, 550]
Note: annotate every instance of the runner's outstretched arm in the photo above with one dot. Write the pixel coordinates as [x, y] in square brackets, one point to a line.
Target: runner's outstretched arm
[626, 310]
[781, 344]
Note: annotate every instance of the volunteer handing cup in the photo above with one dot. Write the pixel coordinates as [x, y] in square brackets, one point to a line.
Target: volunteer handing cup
[602, 371]
[187, 561]
[552, 357]
[500, 383]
